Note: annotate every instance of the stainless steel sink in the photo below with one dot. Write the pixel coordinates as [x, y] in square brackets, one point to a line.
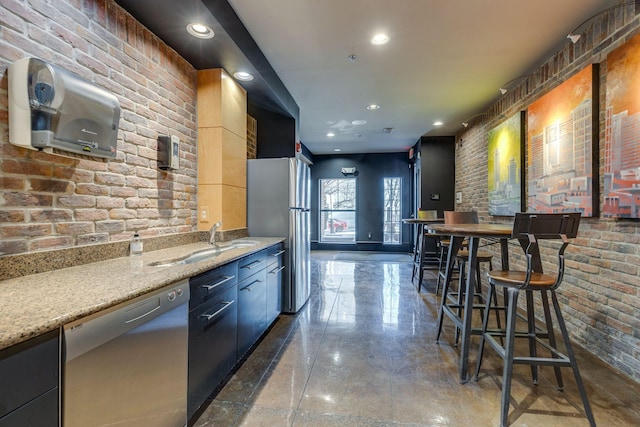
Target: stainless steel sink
[241, 243]
[205, 254]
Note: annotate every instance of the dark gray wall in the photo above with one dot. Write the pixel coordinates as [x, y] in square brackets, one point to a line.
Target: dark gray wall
[372, 168]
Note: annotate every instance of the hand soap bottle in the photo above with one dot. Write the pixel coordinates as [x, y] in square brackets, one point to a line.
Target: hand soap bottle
[135, 247]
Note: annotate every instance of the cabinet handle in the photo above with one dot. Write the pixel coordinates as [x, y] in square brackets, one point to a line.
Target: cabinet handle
[253, 264]
[249, 286]
[276, 270]
[215, 285]
[227, 304]
[279, 253]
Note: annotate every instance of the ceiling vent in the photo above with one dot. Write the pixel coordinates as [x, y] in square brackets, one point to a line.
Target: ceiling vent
[387, 130]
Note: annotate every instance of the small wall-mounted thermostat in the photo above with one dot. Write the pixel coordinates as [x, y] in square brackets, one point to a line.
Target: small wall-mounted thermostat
[168, 152]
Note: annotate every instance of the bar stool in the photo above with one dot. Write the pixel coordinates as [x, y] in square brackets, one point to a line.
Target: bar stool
[420, 259]
[455, 299]
[529, 229]
[482, 257]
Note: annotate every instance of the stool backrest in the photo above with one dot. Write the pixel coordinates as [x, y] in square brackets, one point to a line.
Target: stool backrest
[529, 228]
[453, 217]
[429, 215]
[546, 225]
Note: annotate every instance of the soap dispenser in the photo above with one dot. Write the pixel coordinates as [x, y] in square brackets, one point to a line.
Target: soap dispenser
[135, 247]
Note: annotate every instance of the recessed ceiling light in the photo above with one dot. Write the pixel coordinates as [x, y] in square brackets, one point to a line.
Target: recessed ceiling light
[336, 149]
[242, 75]
[438, 123]
[379, 39]
[200, 31]
[373, 107]
[331, 134]
[359, 122]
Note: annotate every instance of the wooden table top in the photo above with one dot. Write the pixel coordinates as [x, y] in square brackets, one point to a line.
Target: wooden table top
[472, 230]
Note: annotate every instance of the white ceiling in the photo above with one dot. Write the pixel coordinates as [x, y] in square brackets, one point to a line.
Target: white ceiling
[445, 61]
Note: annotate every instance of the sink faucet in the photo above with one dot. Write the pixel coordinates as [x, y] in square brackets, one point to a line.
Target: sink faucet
[212, 232]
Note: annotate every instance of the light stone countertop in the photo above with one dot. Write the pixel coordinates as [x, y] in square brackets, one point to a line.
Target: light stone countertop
[34, 304]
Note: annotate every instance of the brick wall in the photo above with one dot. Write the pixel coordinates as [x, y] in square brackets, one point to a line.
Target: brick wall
[50, 201]
[601, 290]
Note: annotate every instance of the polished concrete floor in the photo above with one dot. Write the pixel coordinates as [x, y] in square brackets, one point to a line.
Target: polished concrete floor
[363, 353]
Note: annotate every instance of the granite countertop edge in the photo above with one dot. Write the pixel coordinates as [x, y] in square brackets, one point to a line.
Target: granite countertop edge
[35, 304]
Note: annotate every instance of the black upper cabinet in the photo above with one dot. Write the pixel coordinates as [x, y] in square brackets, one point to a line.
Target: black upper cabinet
[437, 169]
[276, 133]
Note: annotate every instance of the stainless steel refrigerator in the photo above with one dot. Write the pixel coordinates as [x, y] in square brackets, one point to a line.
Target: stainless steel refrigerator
[278, 206]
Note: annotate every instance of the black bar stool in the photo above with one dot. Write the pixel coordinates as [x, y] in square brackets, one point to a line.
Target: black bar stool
[529, 229]
[421, 259]
[455, 299]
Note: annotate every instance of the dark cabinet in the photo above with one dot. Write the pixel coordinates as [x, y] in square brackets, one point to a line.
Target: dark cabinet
[252, 300]
[275, 276]
[29, 388]
[213, 332]
[230, 308]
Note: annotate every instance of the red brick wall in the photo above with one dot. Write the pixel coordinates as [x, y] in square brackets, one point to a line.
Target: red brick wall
[49, 201]
[601, 290]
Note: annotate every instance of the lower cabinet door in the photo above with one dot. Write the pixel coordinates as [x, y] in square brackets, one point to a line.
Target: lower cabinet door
[252, 310]
[40, 412]
[213, 340]
[275, 274]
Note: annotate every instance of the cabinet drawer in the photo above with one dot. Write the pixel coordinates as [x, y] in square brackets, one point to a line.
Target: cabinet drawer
[251, 264]
[40, 412]
[205, 285]
[275, 254]
[213, 344]
[252, 310]
[28, 370]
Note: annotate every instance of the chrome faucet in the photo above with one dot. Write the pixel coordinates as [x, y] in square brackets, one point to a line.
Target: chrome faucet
[212, 232]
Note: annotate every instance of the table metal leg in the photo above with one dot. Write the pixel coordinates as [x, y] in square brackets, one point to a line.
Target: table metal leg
[472, 266]
[454, 246]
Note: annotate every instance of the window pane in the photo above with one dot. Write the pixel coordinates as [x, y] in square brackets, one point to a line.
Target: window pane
[337, 210]
[392, 210]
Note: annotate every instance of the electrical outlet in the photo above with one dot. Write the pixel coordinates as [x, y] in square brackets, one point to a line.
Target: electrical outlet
[204, 214]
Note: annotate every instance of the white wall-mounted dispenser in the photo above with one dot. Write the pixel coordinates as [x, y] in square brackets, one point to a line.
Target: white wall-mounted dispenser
[168, 152]
[52, 108]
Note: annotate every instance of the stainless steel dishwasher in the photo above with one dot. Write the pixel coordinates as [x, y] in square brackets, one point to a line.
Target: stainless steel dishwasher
[127, 366]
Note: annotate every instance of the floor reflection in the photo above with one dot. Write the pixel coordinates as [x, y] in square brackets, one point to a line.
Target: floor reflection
[362, 353]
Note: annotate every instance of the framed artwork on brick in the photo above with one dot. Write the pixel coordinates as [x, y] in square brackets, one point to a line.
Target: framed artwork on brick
[622, 141]
[562, 147]
[505, 162]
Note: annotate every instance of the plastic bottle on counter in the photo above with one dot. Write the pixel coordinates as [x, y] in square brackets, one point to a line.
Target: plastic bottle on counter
[135, 247]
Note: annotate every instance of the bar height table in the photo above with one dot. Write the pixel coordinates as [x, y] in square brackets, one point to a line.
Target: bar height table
[473, 232]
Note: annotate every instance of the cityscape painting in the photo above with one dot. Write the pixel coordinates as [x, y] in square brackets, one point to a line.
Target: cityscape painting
[562, 132]
[505, 167]
[622, 142]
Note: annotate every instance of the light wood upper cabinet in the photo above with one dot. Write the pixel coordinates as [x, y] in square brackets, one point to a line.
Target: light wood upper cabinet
[222, 151]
